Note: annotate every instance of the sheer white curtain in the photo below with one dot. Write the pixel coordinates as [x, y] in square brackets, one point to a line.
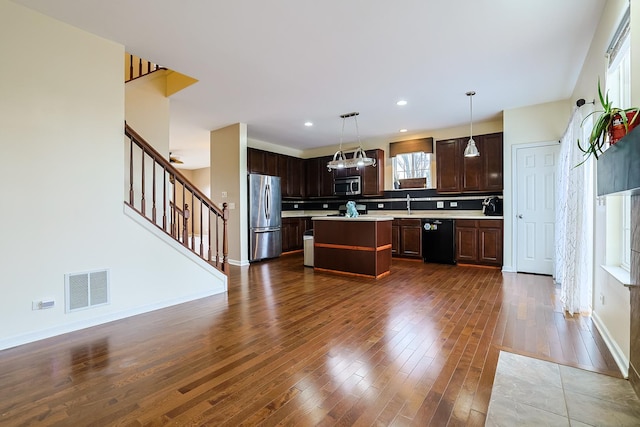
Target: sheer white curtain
[575, 194]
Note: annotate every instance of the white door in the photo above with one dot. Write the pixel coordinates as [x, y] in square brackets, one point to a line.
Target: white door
[535, 207]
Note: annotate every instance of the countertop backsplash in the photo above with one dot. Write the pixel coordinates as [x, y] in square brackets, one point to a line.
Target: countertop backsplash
[425, 203]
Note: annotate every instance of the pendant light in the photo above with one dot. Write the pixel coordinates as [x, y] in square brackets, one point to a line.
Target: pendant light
[340, 160]
[471, 150]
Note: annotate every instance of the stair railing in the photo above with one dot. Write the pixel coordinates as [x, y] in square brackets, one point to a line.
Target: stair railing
[137, 67]
[161, 194]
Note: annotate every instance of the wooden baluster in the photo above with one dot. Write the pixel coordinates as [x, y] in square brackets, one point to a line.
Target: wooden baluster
[172, 178]
[143, 207]
[193, 225]
[185, 225]
[140, 67]
[164, 198]
[209, 228]
[153, 196]
[217, 240]
[131, 172]
[130, 67]
[201, 234]
[225, 242]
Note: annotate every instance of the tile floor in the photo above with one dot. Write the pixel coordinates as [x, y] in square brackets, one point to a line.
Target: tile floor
[532, 392]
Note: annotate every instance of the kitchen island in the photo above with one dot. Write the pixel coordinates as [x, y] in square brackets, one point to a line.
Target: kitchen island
[358, 246]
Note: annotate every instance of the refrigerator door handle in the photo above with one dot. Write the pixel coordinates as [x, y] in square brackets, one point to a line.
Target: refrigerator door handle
[267, 202]
[271, 230]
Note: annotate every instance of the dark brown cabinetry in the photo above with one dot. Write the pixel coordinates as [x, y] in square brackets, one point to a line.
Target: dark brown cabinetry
[262, 162]
[459, 174]
[479, 241]
[448, 160]
[319, 179]
[406, 238]
[293, 231]
[372, 177]
[291, 173]
[310, 177]
[290, 170]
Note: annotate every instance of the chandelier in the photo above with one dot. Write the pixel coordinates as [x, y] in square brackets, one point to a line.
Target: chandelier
[359, 158]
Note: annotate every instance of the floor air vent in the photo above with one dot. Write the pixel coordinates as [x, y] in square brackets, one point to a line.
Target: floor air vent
[85, 290]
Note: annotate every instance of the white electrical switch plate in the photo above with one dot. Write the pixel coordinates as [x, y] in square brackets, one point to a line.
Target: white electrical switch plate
[295, 206]
[453, 204]
[224, 194]
[440, 205]
[232, 205]
[380, 205]
[325, 205]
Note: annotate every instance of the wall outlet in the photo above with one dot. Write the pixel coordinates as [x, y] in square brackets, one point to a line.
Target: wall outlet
[295, 206]
[440, 205]
[453, 204]
[325, 205]
[602, 299]
[380, 205]
[42, 305]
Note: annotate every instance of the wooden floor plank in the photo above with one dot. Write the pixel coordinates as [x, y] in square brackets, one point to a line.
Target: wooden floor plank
[290, 346]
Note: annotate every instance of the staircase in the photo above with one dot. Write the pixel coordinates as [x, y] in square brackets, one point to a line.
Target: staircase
[158, 192]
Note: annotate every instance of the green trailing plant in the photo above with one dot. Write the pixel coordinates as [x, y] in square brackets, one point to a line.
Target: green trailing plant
[603, 123]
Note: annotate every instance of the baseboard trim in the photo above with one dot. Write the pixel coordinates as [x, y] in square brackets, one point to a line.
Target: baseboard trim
[616, 351]
[30, 337]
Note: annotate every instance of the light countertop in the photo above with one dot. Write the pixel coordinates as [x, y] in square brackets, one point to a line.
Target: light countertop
[361, 218]
[418, 214]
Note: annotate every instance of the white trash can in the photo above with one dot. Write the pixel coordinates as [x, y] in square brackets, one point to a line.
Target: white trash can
[307, 240]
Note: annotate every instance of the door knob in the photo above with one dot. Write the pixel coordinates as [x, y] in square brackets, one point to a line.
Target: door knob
[520, 216]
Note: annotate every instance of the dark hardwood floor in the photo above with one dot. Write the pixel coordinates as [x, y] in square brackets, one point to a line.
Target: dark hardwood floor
[287, 346]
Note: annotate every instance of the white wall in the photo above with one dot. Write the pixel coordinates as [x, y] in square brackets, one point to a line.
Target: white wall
[538, 123]
[62, 115]
[229, 175]
[147, 110]
[613, 315]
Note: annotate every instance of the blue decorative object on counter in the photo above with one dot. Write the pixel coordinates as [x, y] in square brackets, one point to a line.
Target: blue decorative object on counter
[352, 212]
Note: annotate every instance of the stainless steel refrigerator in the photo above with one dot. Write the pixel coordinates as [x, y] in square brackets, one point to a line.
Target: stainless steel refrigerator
[265, 238]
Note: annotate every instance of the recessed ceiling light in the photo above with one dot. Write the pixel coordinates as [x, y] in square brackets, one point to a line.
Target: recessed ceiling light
[401, 102]
[308, 124]
[403, 130]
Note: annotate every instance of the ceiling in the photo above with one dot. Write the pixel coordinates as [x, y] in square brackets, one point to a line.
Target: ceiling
[276, 64]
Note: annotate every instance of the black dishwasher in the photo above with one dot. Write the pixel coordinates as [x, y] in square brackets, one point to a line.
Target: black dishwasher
[438, 243]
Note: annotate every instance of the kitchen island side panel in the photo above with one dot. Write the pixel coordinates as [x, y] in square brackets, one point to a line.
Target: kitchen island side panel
[356, 247]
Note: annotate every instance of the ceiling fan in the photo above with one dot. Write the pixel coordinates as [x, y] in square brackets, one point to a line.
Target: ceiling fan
[174, 159]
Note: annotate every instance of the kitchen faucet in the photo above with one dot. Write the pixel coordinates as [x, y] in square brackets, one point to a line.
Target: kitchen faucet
[408, 204]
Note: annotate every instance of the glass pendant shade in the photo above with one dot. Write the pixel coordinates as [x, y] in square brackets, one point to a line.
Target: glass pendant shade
[471, 149]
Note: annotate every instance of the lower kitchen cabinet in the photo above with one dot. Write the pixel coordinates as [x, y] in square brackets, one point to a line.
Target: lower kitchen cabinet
[406, 238]
[292, 230]
[479, 241]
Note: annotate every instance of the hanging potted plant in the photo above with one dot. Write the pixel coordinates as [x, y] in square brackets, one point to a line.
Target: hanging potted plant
[611, 124]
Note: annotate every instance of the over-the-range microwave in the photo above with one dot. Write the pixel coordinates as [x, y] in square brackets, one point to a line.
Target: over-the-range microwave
[346, 186]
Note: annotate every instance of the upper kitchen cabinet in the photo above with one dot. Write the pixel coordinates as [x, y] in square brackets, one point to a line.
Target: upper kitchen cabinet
[262, 162]
[492, 159]
[295, 177]
[319, 180]
[448, 160]
[459, 174]
[289, 169]
[372, 177]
